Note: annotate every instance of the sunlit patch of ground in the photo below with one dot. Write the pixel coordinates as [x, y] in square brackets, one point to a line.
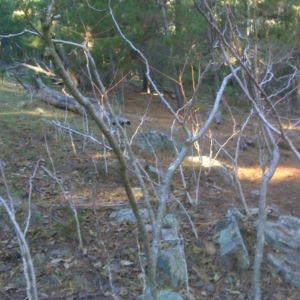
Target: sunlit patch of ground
[282, 174]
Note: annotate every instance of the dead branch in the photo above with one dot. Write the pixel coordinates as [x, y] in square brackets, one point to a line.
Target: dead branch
[54, 98]
[35, 69]
[57, 99]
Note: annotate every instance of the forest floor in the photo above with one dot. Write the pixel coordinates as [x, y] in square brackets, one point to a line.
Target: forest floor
[29, 140]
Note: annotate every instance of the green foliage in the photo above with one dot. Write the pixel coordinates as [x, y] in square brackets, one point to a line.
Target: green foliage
[142, 22]
[66, 227]
[229, 91]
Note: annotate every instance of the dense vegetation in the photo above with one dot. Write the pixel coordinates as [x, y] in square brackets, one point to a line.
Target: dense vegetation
[175, 38]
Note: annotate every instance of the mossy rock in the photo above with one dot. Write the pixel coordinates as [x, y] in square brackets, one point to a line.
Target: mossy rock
[154, 140]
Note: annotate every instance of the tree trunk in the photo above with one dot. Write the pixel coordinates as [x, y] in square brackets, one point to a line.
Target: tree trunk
[116, 82]
[69, 66]
[176, 84]
[178, 88]
[295, 100]
[62, 101]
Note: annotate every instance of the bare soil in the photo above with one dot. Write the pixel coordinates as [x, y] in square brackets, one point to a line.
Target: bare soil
[63, 271]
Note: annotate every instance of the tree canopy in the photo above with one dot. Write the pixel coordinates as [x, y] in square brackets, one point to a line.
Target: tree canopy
[174, 37]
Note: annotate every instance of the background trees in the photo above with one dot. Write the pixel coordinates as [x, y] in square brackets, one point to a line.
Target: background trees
[175, 39]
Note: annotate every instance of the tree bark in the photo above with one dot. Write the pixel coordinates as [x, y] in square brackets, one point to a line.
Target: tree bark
[62, 101]
[176, 74]
[295, 101]
[47, 16]
[262, 217]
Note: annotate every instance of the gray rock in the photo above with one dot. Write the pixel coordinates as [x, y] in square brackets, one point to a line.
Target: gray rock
[279, 238]
[255, 193]
[292, 224]
[214, 169]
[57, 251]
[217, 170]
[168, 295]
[21, 104]
[233, 252]
[149, 227]
[203, 116]
[284, 237]
[248, 141]
[172, 266]
[218, 117]
[154, 139]
[293, 259]
[170, 235]
[126, 215]
[165, 295]
[277, 262]
[154, 173]
[170, 221]
[235, 212]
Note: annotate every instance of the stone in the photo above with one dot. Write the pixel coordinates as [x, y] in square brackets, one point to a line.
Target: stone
[154, 173]
[292, 259]
[154, 140]
[170, 236]
[172, 265]
[215, 170]
[203, 116]
[279, 238]
[277, 262]
[235, 212]
[248, 141]
[170, 221]
[165, 295]
[284, 237]
[233, 252]
[218, 117]
[21, 104]
[292, 224]
[168, 295]
[126, 215]
[255, 193]
[59, 251]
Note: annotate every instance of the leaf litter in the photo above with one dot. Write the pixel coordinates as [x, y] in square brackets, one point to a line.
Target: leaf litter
[65, 272]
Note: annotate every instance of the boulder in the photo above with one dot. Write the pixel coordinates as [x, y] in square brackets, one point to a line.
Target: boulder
[126, 215]
[172, 266]
[284, 237]
[233, 252]
[213, 168]
[152, 140]
[165, 295]
[284, 264]
[280, 238]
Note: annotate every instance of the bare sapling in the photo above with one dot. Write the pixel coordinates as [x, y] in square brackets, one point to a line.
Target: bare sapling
[28, 268]
[247, 57]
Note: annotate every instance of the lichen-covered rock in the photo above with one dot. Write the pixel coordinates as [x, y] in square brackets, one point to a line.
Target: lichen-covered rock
[126, 215]
[165, 295]
[233, 252]
[280, 238]
[172, 266]
[214, 169]
[282, 264]
[153, 140]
